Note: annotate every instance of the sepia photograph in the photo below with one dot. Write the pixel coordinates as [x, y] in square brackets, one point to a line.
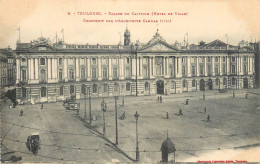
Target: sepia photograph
[130, 81]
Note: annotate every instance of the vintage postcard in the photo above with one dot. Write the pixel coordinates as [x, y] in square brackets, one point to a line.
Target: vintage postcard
[130, 81]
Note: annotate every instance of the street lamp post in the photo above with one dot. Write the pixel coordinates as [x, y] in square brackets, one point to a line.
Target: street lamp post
[204, 94]
[90, 116]
[137, 148]
[85, 114]
[123, 98]
[104, 109]
[116, 98]
[238, 66]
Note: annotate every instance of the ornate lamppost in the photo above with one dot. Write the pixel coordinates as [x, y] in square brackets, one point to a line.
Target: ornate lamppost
[137, 148]
[116, 98]
[104, 109]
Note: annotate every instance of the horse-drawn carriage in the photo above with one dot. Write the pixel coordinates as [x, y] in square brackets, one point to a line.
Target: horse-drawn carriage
[33, 143]
[71, 104]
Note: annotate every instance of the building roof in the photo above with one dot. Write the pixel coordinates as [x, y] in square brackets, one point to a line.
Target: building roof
[168, 146]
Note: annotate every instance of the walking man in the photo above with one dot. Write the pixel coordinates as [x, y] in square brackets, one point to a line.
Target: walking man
[160, 99]
[205, 110]
[42, 106]
[21, 112]
[180, 113]
[208, 118]
[167, 115]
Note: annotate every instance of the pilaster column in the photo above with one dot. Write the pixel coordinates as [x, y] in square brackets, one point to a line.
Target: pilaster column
[175, 66]
[109, 68]
[213, 66]
[150, 67]
[205, 67]
[197, 67]
[220, 66]
[188, 67]
[153, 66]
[88, 65]
[18, 71]
[121, 68]
[141, 66]
[228, 65]
[99, 69]
[179, 74]
[163, 67]
[133, 67]
[65, 69]
[49, 68]
[36, 68]
[138, 66]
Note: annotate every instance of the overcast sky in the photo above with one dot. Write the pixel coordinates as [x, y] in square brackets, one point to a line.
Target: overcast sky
[205, 20]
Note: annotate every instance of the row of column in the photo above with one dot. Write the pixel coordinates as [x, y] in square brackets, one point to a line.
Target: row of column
[135, 65]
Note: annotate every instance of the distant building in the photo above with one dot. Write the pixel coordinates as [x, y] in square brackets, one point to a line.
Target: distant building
[51, 72]
[8, 68]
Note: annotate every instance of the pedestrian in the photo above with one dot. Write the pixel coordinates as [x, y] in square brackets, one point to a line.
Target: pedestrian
[167, 115]
[42, 106]
[208, 118]
[205, 110]
[21, 112]
[180, 113]
[160, 99]
[187, 101]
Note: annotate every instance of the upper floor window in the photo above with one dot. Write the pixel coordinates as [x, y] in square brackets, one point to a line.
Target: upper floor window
[114, 61]
[23, 60]
[183, 70]
[104, 61]
[115, 72]
[127, 60]
[216, 59]
[128, 86]
[183, 60]
[42, 61]
[71, 73]
[94, 73]
[193, 70]
[209, 59]
[145, 60]
[233, 59]
[94, 61]
[224, 59]
[193, 60]
[245, 59]
[60, 61]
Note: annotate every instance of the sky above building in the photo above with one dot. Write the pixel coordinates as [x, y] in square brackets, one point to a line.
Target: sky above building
[192, 20]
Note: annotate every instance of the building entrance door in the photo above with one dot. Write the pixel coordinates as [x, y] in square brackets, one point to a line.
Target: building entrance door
[202, 85]
[160, 87]
[246, 83]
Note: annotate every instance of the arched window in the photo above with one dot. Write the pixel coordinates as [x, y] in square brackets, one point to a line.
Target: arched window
[43, 91]
[72, 89]
[105, 87]
[104, 73]
[184, 83]
[173, 85]
[128, 86]
[216, 69]
[194, 83]
[115, 72]
[83, 89]
[94, 88]
[127, 72]
[217, 81]
[94, 61]
[224, 81]
[116, 87]
[43, 76]
[94, 73]
[146, 86]
[82, 73]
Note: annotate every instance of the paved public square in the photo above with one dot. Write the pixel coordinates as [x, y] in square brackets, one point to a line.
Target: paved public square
[234, 128]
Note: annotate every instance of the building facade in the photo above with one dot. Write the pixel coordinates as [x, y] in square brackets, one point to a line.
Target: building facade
[8, 68]
[52, 72]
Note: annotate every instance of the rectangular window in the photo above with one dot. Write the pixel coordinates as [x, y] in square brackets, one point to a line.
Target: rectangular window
[208, 59]
[233, 59]
[60, 74]
[233, 69]
[216, 59]
[193, 70]
[42, 61]
[70, 62]
[61, 91]
[183, 70]
[104, 73]
[71, 74]
[60, 61]
[183, 60]
[224, 69]
[201, 70]
[128, 86]
[127, 60]
[216, 69]
[209, 69]
[94, 61]
[94, 74]
[244, 69]
[244, 59]
[224, 59]
[114, 72]
[23, 75]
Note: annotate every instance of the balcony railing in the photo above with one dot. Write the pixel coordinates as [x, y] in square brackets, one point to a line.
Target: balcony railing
[61, 80]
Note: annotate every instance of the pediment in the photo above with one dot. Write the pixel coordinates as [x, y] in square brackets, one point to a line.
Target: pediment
[42, 48]
[159, 47]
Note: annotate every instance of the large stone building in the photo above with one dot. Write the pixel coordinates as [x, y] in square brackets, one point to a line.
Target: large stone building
[51, 72]
[8, 70]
